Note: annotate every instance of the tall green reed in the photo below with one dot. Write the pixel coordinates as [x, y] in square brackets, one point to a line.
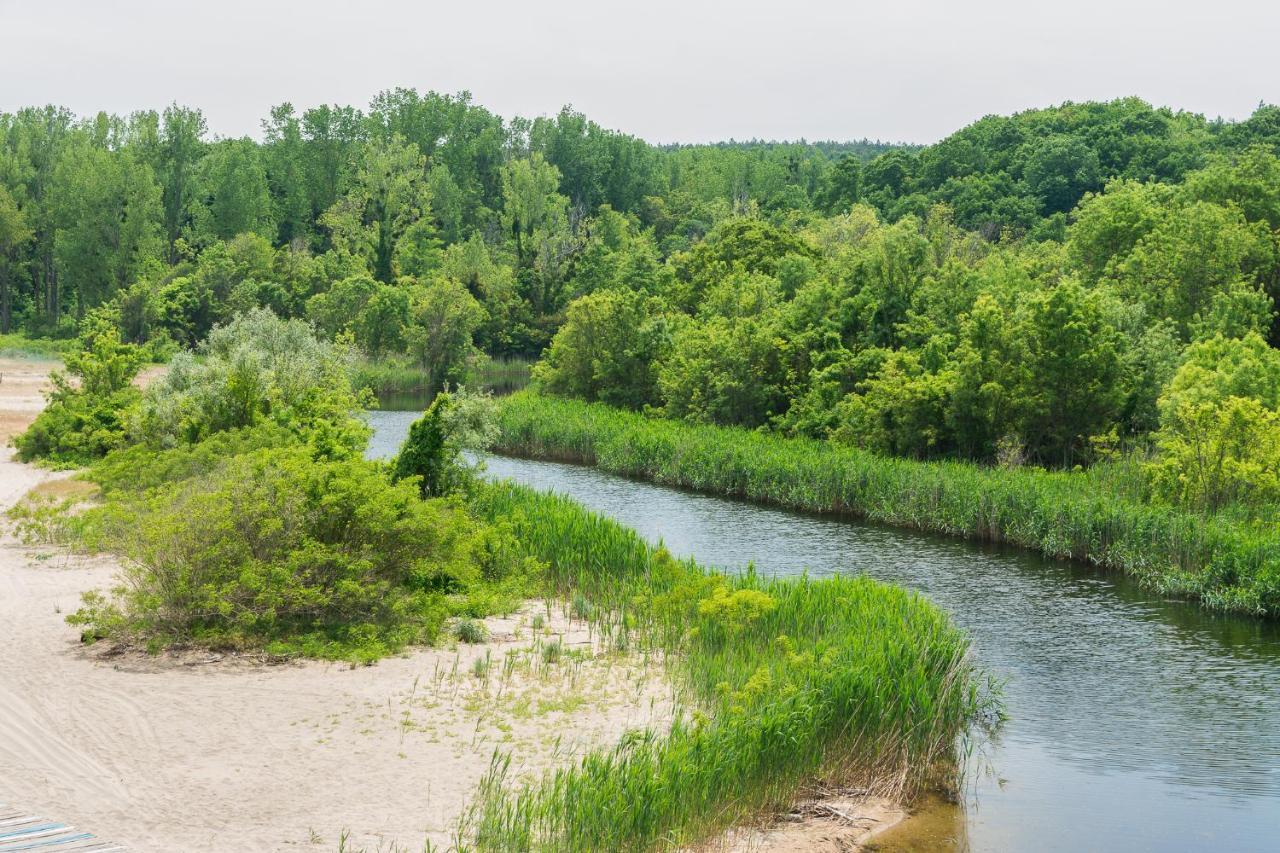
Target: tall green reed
[1224, 563]
[843, 678]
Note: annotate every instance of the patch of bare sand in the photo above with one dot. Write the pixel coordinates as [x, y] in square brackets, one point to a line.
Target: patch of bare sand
[23, 383]
[826, 822]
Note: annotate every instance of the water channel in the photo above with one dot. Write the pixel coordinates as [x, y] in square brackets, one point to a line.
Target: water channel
[1135, 723]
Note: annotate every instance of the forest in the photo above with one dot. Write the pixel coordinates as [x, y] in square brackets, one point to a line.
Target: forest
[1087, 283]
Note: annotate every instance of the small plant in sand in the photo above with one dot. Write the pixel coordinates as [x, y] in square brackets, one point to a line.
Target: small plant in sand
[469, 630]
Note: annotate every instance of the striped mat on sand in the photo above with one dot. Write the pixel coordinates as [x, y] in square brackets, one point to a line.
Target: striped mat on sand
[21, 831]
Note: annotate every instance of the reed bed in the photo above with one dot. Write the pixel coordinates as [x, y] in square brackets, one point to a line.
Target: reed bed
[844, 679]
[1224, 563]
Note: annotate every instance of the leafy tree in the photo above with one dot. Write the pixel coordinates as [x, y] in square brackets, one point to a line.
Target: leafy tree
[1060, 170]
[1217, 368]
[15, 233]
[1074, 364]
[335, 309]
[726, 371]
[1214, 454]
[231, 195]
[531, 204]
[106, 206]
[842, 185]
[608, 350]
[899, 411]
[1191, 254]
[380, 326]
[176, 158]
[433, 450]
[284, 159]
[443, 317]
[387, 196]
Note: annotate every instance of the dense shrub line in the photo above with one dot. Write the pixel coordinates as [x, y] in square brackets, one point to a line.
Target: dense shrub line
[1222, 563]
[843, 678]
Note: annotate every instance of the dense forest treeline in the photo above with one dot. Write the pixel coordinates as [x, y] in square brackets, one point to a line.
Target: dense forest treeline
[1055, 286]
[88, 207]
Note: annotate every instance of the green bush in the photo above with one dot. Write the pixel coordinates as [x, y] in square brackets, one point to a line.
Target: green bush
[1212, 455]
[258, 367]
[278, 549]
[86, 417]
[75, 429]
[432, 452]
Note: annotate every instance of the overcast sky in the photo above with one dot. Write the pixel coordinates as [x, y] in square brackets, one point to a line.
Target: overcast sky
[666, 70]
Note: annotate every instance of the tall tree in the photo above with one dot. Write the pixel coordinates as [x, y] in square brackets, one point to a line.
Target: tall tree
[107, 206]
[181, 145]
[15, 232]
[231, 195]
[388, 194]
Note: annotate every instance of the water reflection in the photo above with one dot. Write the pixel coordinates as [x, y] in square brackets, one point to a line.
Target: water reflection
[1136, 723]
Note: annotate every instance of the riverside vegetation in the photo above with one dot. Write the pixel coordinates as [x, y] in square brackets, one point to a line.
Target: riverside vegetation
[1103, 515]
[236, 491]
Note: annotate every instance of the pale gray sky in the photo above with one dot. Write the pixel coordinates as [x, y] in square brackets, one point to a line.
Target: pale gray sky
[666, 70]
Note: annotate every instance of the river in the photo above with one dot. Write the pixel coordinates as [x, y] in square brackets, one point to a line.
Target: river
[1135, 723]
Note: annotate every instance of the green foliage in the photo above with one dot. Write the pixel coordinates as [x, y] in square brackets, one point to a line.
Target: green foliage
[1214, 454]
[256, 367]
[433, 450]
[728, 371]
[1025, 284]
[1215, 369]
[443, 316]
[608, 349]
[86, 418]
[468, 630]
[277, 549]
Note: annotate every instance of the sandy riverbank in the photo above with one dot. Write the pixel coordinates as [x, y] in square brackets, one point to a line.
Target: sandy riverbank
[205, 753]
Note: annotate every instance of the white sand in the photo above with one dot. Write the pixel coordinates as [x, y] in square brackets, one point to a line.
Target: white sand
[184, 754]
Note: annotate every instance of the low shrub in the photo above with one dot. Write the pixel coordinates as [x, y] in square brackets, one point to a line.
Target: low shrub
[88, 410]
[281, 550]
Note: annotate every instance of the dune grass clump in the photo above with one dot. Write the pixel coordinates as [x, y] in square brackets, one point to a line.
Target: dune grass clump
[844, 678]
[469, 630]
[1222, 562]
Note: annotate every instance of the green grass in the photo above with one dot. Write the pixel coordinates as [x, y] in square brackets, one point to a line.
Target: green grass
[1224, 563]
[18, 345]
[842, 679]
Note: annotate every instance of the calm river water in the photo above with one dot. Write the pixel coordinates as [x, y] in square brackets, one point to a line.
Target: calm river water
[1135, 723]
